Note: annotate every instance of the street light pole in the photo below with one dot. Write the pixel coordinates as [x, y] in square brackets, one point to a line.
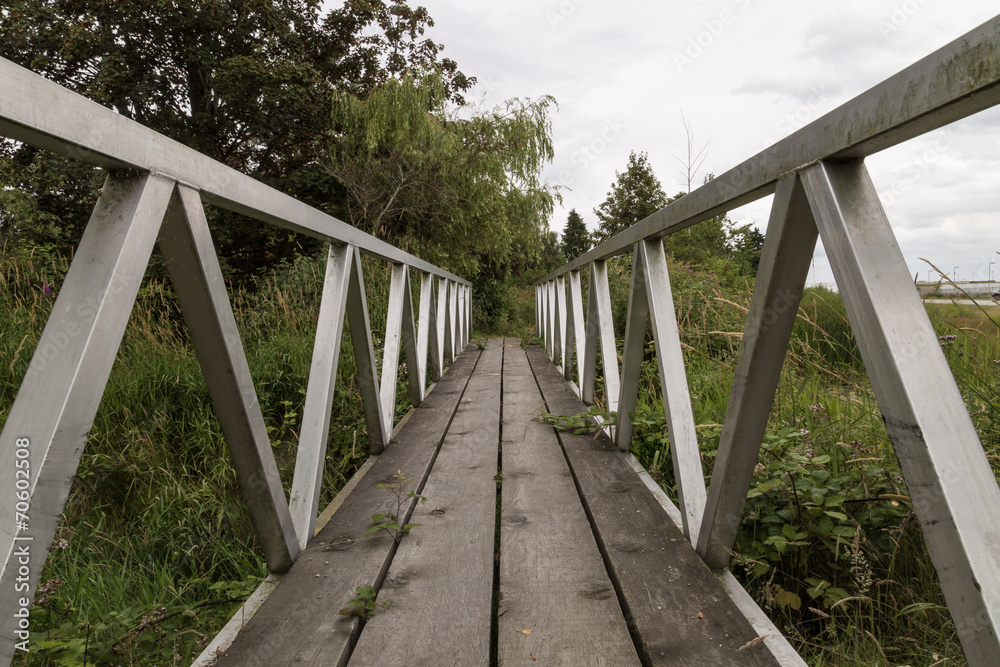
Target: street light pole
[990, 269]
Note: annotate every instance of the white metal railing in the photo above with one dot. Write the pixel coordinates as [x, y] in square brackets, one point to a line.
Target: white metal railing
[155, 192]
[822, 190]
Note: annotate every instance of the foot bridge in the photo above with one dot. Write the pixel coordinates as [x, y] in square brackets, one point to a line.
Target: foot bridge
[534, 544]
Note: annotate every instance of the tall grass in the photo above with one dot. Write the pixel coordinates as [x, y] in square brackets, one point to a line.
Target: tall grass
[155, 548]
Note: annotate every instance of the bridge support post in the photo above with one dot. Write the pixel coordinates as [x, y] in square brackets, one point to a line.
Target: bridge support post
[194, 271]
[954, 493]
[311, 454]
[50, 420]
[784, 263]
[650, 300]
[600, 330]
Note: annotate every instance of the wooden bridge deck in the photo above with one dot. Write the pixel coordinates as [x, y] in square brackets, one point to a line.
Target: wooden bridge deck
[534, 547]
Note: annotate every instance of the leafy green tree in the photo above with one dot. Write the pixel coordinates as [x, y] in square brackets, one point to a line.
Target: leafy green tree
[745, 244]
[576, 238]
[247, 82]
[635, 195]
[463, 191]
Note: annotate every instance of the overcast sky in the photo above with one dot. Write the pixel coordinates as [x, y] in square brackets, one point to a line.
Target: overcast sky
[745, 73]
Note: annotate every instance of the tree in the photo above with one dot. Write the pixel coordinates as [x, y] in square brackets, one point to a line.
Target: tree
[745, 243]
[463, 191]
[694, 158]
[576, 238]
[247, 82]
[635, 195]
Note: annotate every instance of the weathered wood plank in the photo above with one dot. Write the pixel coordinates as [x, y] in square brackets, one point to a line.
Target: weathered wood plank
[553, 581]
[440, 585]
[679, 612]
[300, 622]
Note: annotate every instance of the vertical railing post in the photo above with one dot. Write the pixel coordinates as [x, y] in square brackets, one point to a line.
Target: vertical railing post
[444, 344]
[576, 333]
[559, 327]
[784, 265]
[600, 331]
[315, 429]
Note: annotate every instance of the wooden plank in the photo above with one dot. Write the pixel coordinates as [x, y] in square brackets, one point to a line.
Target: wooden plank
[440, 585]
[553, 582]
[680, 614]
[300, 622]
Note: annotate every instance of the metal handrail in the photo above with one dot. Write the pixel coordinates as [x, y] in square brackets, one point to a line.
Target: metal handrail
[44, 114]
[822, 191]
[155, 193]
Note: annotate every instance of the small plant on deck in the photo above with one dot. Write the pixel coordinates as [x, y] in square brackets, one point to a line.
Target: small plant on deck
[363, 605]
[389, 522]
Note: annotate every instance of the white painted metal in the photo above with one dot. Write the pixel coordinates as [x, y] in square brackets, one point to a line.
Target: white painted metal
[453, 326]
[400, 310]
[549, 318]
[468, 315]
[559, 334]
[576, 333]
[311, 455]
[443, 326]
[784, 265]
[427, 334]
[600, 330]
[45, 114]
[60, 394]
[955, 495]
[197, 279]
[460, 323]
[409, 333]
[539, 319]
[650, 302]
[364, 357]
[632, 352]
[466, 322]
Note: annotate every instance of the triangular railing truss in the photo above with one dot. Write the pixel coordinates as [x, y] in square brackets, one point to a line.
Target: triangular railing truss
[822, 191]
[50, 420]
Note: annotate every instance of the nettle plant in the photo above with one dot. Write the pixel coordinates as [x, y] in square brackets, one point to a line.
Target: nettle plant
[809, 515]
[363, 604]
[389, 522]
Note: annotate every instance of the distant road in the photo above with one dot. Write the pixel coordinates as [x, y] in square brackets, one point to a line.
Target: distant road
[967, 302]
